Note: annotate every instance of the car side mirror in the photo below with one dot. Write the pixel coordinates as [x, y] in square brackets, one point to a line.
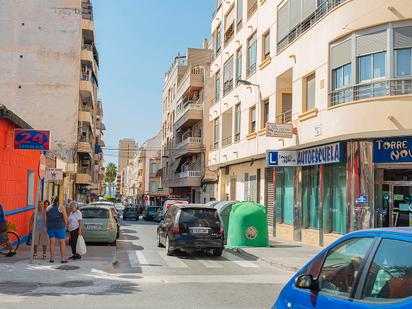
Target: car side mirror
[307, 282]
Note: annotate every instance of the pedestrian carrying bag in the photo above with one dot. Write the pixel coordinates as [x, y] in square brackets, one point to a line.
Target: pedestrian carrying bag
[81, 246]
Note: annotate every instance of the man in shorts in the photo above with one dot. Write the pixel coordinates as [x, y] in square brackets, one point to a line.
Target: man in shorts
[3, 233]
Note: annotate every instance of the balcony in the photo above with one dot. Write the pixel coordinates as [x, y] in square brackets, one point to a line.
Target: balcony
[189, 115]
[87, 54]
[84, 145]
[186, 179]
[188, 145]
[227, 141]
[86, 84]
[85, 116]
[285, 117]
[83, 176]
[87, 10]
[252, 8]
[193, 79]
[229, 34]
[393, 87]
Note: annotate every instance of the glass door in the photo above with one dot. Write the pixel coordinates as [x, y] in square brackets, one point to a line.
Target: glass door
[401, 205]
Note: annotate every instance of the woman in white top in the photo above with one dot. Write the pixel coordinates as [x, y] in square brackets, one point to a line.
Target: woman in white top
[75, 228]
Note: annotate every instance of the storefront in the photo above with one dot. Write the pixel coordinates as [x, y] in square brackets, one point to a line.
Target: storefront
[393, 181]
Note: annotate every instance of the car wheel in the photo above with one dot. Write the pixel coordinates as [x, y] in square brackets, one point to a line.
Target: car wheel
[217, 252]
[159, 243]
[169, 252]
[118, 233]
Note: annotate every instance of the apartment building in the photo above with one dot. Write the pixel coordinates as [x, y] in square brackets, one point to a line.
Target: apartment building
[182, 124]
[49, 64]
[337, 75]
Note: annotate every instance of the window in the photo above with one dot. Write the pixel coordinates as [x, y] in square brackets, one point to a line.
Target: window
[251, 7]
[237, 122]
[266, 45]
[153, 168]
[228, 76]
[252, 115]
[216, 133]
[403, 62]
[218, 4]
[251, 55]
[229, 25]
[265, 113]
[153, 186]
[30, 187]
[217, 86]
[238, 65]
[239, 14]
[371, 66]
[218, 39]
[341, 77]
[342, 266]
[310, 92]
[390, 275]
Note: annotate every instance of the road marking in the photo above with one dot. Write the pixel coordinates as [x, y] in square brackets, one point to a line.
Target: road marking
[209, 263]
[137, 259]
[237, 260]
[172, 261]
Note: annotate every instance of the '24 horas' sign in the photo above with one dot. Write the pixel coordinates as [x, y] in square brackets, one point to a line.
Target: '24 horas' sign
[392, 150]
[31, 139]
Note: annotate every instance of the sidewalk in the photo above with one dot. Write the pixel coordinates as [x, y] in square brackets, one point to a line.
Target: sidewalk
[288, 255]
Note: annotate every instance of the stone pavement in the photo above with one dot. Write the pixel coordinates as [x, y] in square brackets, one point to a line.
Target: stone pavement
[288, 255]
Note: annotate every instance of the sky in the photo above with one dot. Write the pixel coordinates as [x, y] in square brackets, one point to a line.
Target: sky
[137, 41]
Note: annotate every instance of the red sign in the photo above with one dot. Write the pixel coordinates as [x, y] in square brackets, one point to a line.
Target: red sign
[31, 139]
[42, 166]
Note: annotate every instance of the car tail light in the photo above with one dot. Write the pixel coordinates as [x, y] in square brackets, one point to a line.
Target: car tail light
[175, 230]
[222, 232]
[111, 226]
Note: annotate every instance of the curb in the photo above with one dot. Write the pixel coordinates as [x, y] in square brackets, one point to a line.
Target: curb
[267, 261]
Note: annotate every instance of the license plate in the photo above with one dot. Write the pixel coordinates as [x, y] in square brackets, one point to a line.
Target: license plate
[198, 230]
[94, 226]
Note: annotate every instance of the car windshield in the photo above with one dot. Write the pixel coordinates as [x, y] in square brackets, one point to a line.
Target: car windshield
[193, 217]
[95, 213]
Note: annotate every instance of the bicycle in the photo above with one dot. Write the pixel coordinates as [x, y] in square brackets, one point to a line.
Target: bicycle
[15, 242]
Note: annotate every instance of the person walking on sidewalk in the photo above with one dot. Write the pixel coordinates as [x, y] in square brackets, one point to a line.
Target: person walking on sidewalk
[75, 228]
[4, 239]
[40, 238]
[56, 222]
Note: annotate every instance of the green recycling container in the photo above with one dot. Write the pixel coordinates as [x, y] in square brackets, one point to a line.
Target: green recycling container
[224, 209]
[248, 226]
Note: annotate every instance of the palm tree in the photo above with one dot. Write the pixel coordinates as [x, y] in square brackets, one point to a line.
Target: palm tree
[110, 175]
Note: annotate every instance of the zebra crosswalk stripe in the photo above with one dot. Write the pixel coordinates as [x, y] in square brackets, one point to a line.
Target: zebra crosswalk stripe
[208, 263]
[242, 263]
[172, 261]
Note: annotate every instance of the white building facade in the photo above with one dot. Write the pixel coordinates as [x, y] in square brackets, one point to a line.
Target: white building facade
[339, 72]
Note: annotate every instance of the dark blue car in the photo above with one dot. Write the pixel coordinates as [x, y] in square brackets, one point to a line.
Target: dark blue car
[364, 269]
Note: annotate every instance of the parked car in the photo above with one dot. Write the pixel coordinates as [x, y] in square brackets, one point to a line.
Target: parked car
[364, 269]
[191, 226]
[113, 209]
[99, 224]
[150, 212]
[131, 213]
[212, 203]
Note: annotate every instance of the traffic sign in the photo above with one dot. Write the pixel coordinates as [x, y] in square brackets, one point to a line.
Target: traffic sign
[363, 199]
[42, 166]
[31, 139]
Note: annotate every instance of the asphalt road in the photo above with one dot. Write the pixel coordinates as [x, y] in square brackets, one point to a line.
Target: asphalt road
[146, 278]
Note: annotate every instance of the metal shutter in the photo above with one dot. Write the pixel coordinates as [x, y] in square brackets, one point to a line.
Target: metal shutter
[309, 6]
[402, 37]
[286, 102]
[283, 21]
[341, 54]
[269, 195]
[371, 43]
[295, 13]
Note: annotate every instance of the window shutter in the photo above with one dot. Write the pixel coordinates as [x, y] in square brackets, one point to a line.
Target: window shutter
[341, 54]
[269, 195]
[309, 6]
[371, 43]
[246, 187]
[295, 13]
[230, 18]
[402, 37]
[283, 21]
[286, 102]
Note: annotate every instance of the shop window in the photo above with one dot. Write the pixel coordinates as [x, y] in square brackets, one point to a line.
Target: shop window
[285, 178]
[310, 197]
[334, 199]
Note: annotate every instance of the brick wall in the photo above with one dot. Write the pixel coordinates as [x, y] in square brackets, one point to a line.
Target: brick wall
[14, 167]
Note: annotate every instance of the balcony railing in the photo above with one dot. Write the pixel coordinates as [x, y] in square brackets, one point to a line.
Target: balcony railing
[376, 89]
[189, 174]
[227, 141]
[85, 170]
[237, 137]
[87, 10]
[85, 76]
[227, 86]
[251, 69]
[325, 7]
[88, 47]
[189, 106]
[194, 140]
[85, 139]
[284, 117]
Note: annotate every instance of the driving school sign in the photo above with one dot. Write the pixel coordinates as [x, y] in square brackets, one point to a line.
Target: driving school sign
[31, 139]
[326, 154]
